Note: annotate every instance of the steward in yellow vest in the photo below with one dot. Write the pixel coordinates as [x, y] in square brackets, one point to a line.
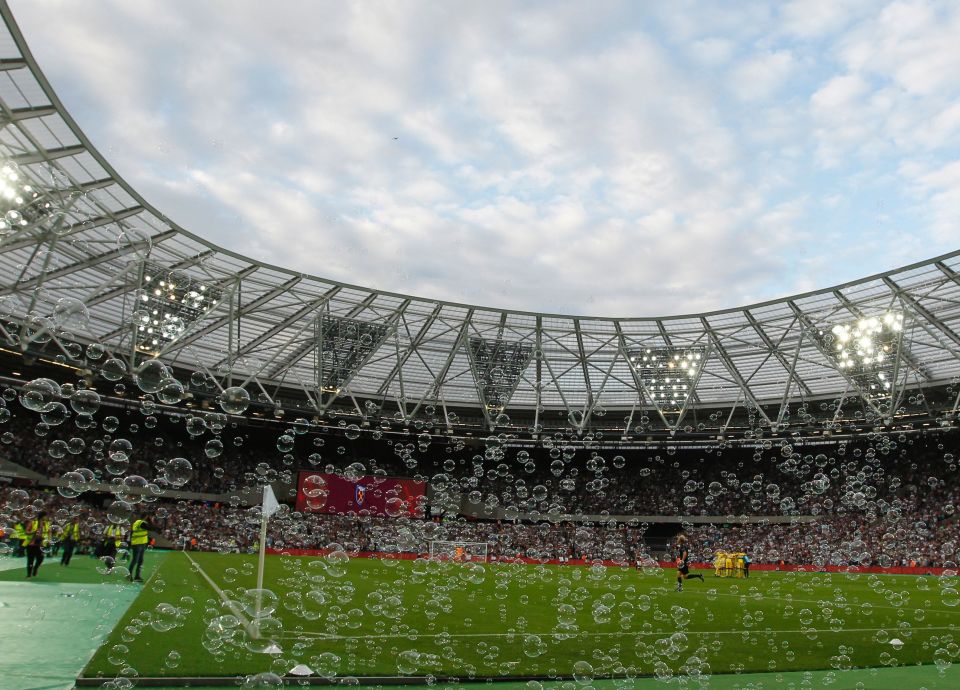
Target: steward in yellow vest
[110, 544]
[139, 539]
[19, 534]
[71, 538]
[36, 537]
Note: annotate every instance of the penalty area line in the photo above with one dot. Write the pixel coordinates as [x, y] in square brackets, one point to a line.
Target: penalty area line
[617, 633]
[817, 602]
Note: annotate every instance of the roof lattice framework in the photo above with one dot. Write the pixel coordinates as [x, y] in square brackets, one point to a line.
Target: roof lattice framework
[95, 241]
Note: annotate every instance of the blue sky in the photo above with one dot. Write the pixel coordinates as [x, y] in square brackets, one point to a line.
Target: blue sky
[609, 158]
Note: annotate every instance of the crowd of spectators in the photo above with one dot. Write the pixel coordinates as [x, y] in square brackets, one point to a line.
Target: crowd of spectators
[885, 498]
[897, 538]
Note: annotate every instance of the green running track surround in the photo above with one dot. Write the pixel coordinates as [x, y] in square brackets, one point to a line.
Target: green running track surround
[51, 626]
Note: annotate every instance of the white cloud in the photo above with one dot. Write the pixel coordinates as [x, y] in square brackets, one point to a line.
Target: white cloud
[605, 158]
[763, 75]
[815, 18]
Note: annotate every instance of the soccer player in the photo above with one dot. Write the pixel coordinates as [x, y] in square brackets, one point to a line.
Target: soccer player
[683, 563]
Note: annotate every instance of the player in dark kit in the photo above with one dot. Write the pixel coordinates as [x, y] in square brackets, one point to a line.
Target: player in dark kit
[683, 563]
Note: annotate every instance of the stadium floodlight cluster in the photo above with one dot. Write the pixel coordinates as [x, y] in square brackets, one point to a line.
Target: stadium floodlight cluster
[866, 343]
[24, 203]
[169, 303]
[343, 345]
[498, 365]
[16, 198]
[866, 350]
[668, 375]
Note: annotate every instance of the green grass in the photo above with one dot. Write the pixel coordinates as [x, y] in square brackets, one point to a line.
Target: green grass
[369, 617]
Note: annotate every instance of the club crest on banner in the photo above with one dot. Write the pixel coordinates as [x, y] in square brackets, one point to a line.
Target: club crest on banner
[360, 494]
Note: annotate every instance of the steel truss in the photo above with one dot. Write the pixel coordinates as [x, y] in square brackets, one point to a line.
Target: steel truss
[86, 235]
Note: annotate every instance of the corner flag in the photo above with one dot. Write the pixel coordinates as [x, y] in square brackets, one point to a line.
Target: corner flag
[270, 504]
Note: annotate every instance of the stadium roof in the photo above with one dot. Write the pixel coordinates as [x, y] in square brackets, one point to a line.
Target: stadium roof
[89, 236]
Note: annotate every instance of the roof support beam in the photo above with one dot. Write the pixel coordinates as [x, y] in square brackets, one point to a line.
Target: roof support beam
[18, 114]
[414, 344]
[921, 310]
[242, 311]
[777, 352]
[538, 383]
[588, 388]
[308, 347]
[73, 229]
[86, 263]
[41, 156]
[96, 184]
[391, 327]
[286, 323]
[442, 374]
[732, 368]
[7, 64]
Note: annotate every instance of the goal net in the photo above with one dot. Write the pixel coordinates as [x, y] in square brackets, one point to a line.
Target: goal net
[458, 550]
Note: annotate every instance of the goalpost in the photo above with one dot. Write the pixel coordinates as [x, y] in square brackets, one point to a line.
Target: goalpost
[458, 550]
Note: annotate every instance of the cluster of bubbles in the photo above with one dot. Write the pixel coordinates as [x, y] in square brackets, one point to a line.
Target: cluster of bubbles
[424, 606]
[451, 611]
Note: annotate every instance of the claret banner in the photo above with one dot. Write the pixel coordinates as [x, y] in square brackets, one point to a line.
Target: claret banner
[319, 492]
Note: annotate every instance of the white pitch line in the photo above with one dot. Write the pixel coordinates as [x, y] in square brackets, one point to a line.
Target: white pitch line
[818, 602]
[619, 633]
[223, 597]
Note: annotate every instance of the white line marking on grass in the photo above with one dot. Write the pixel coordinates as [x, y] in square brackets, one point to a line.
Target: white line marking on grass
[156, 569]
[248, 626]
[818, 602]
[618, 633]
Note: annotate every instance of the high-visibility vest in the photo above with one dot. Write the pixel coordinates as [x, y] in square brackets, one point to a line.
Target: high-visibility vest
[138, 535]
[19, 532]
[72, 532]
[116, 532]
[31, 530]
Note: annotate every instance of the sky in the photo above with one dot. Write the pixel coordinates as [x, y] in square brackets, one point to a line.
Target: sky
[596, 158]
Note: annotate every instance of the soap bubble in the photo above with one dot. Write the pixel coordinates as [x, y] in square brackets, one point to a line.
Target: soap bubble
[39, 393]
[234, 400]
[85, 401]
[178, 472]
[151, 375]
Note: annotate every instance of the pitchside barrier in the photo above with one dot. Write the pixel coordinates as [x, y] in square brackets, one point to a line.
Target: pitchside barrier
[754, 567]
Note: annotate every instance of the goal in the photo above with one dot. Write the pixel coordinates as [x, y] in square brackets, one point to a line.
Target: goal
[458, 550]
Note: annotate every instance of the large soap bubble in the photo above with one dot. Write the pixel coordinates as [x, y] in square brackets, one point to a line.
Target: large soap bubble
[151, 375]
[39, 393]
[178, 472]
[234, 400]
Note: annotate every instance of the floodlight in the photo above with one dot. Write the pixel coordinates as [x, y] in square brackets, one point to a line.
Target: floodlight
[668, 375]
[344, 345]
[170, 302]
[865, 350]
[497, 365]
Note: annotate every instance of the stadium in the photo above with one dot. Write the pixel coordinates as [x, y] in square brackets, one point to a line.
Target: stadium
[219, 472]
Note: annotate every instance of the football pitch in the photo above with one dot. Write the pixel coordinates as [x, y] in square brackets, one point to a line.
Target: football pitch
[367, 618]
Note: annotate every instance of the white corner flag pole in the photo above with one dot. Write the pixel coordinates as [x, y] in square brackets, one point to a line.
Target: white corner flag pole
[270, 506]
